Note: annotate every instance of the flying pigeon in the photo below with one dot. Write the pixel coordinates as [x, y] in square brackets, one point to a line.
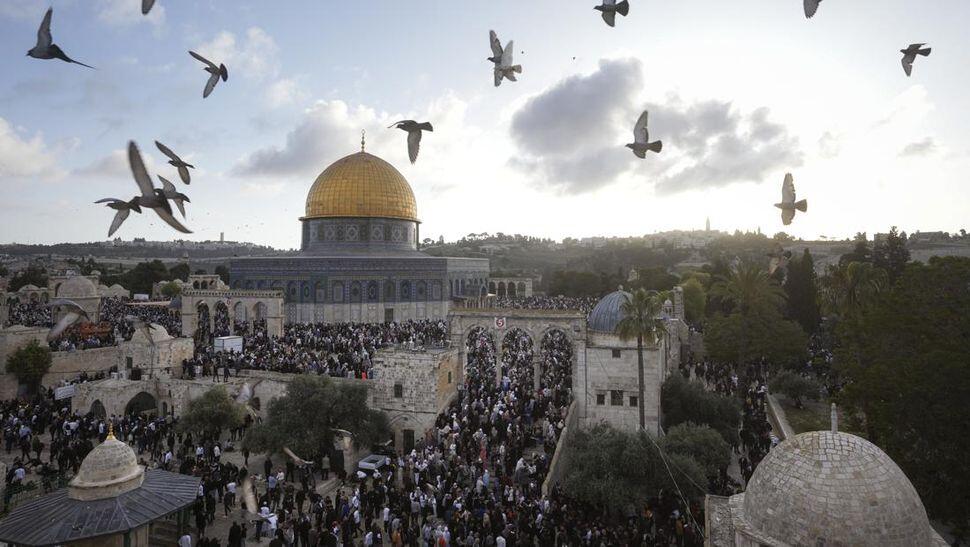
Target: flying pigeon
[296, 459]
[146, 6]
[811, 6]
[123, 208]
[46, 48]
[779, 259]
[73, 314]
[496, 46]
[788, 204]
[144, 326]
[414, 130]
[174, 195]
[610, 8]
[215, 72]
[641, 138]
[909, 55]
[176, 161]
[151, 197]
[502, 57]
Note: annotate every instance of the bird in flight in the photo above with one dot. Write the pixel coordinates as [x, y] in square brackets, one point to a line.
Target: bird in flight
[641, 138]
[811, 6]
[46, 48]
[146, 6]
[124, 208]
[215, 72]
[788, 204]
[414, 130]
[779, 259]
[145, 327]
[174, 195]
[151, 197]
[176, 161]
[73, 314]
[909, 55]
[502, 58]
[610, 8]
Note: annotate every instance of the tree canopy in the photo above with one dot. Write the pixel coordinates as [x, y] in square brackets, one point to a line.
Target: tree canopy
[307, 416]
[695, 299]
[684, 401]
[211, 413]
[891, 254]
[29, 364]
[801, 289]
[32, 275]
[701, 443]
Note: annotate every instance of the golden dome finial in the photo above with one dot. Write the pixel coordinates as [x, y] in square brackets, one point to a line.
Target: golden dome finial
[111, 431]
[363, 134]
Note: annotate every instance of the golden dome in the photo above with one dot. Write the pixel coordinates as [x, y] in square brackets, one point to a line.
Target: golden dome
[361, 185]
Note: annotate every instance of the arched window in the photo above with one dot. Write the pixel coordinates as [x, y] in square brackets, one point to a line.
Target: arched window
[389, 291]
[405, 290]
[372, 291]
[338, 292]
[355, 291]
[421, 290]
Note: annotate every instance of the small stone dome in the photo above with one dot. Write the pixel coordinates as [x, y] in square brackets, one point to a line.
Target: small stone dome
[110, 470]
[77, 287]
[832, 488]
[608, 312]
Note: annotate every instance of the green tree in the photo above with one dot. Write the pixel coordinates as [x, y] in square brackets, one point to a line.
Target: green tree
[145, 274]
[180, 271]
[861, 251]
[29, 364]
[211, 413]
[3, 271]
[908, 371]
[695, 300]
[802, 291]
[795, 386]
[306, 417]
[642, 322]
[700, 442]
[223, 272]
[656, 279]
[599, 463]
[688, 401]
[850, 288]
[891, 254]
[171, 289]
[32, 275]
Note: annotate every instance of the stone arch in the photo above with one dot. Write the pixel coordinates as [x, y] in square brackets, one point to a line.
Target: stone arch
[547, 346]
[203, 320]
[195, 284]
[260, 311]
[389, 291]
[221, 325]
[491, 287]
[501, 289]
[239, 312]
[142, 402]
[511, 289]
[97, 409]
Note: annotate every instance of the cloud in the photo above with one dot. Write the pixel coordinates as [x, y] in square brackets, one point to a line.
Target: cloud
[115, 165]
[326, 132]
[923, 147]
[255, 56]
[829, 145]
[25, 157]
[24, 9]
[128, 12]
[570, 136]
[283, 92]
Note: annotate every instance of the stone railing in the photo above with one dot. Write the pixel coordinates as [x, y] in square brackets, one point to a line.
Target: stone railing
[559, 462]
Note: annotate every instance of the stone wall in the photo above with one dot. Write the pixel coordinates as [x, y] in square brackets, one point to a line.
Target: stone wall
[560, 461]
[611, 366]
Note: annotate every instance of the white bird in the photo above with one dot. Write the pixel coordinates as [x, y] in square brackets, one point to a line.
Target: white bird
[174, 195]
[503, 59]
[610, 8]
[123, 208]
[215, 72]
[414, 130]
[788, 204]
[909, 55]
[176, 162]
[144, 326]
[811, 6]
[46, 48]
[146, 6]
[73, 314]
[641, 138]
[151, 197]
[779, 259]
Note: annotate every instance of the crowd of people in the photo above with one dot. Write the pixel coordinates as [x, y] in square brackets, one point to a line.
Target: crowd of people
[29, 314]
[583, 304]
[335, 349]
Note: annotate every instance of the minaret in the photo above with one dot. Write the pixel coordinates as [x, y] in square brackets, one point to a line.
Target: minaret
[707, 225]
[835, 419]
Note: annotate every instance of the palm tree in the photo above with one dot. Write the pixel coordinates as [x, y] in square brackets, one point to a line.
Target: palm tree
[642, 321]
[850, 288]
[749, 288]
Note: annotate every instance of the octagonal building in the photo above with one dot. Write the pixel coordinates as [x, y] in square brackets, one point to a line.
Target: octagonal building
[359, 258]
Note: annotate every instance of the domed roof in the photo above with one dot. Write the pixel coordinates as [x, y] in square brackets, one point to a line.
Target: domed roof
[361, 185]
[608, 312]
[109, 470]
[77, 287]
[832, 488]
[29, 287]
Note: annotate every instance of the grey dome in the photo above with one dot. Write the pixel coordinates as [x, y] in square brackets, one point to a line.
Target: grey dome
[825, 488]
[608, 312]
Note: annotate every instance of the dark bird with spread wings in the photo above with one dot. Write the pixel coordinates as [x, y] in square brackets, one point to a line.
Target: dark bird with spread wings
[151, 197]
[215, 72]
[124, 208]
[503, 59]
[174, 195]
[176, 162]
[414, 130]
[811, 6]
[909, 55]
[73, 313]
[778, 259]
[641, 138]
[146, 6]
[788, 204]
[46, 48]
[610, 8]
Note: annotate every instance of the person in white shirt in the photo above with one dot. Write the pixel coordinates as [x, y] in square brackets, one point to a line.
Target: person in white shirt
[185, 541]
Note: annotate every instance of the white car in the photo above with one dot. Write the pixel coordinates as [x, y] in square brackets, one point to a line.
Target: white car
[372, 462]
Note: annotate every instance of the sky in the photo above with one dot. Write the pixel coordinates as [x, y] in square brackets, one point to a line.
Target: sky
[739, 92]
